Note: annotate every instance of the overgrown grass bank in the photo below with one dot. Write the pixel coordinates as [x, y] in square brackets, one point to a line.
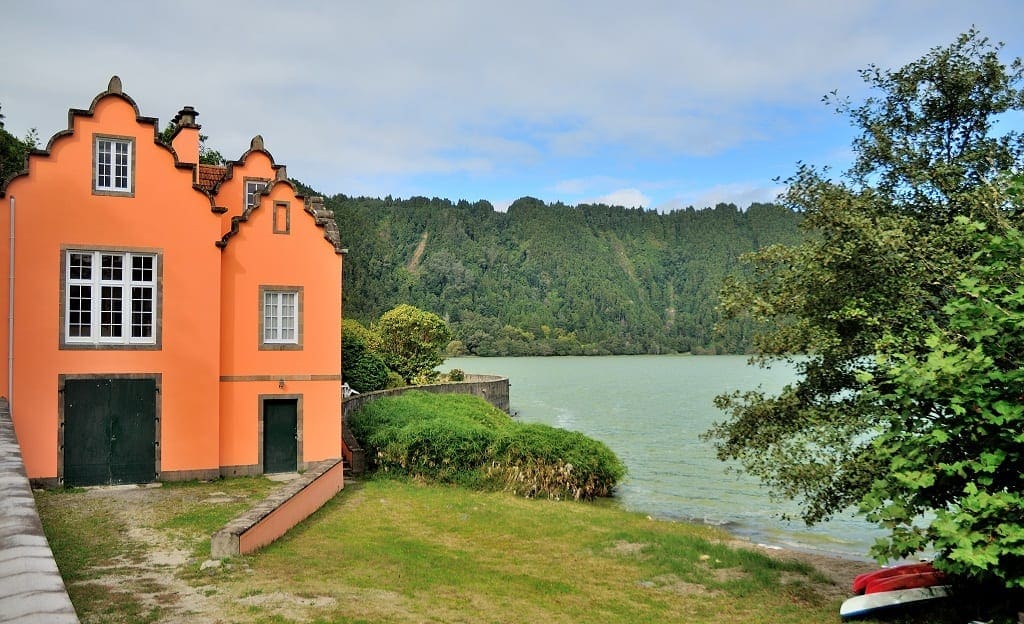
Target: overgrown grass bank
[463, 439]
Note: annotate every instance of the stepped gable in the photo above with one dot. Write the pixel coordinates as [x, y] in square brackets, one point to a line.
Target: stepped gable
[314, 206]
[255, 145]
[114, 88]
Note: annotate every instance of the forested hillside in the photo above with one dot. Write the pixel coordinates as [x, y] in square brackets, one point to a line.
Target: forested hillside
[549, 279]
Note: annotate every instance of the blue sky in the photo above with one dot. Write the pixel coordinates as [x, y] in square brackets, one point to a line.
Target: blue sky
[659, 104]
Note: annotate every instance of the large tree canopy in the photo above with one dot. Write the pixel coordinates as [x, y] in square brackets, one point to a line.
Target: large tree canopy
[884, 260]
[412, 341]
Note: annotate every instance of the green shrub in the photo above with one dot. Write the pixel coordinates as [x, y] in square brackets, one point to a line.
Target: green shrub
[456, 374]
[463, 439]
[364, 369]
[394, 380]
[535, 459]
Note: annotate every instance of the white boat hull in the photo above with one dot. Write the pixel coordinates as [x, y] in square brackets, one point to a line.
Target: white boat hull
[869, 604]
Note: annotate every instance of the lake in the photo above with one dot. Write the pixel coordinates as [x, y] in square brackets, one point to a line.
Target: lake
[651, 411]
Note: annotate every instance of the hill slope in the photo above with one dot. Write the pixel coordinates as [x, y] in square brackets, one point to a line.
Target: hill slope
[545, 279]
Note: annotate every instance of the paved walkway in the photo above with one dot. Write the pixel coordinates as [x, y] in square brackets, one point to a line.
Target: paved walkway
[31, 589]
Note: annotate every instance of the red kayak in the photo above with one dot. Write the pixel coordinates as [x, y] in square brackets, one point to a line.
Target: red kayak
[906, 581]
[860, 584]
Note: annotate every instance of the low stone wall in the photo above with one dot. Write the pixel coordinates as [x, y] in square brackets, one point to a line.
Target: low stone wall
[31, 588]
[491, 388]
[292, 503]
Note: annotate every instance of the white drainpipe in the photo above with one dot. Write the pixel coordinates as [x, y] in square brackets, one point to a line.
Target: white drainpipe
[10, 318]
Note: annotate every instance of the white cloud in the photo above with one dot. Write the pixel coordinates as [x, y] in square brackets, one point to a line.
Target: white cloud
[742, 194]
[630, 198]
[467, 88]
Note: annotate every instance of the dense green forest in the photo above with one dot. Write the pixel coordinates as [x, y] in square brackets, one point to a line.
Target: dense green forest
[550, 279]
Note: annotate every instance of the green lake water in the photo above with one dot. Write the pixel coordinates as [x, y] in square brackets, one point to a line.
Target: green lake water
[651, 411]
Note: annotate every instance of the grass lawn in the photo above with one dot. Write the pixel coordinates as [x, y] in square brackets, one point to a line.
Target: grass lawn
[390, 551]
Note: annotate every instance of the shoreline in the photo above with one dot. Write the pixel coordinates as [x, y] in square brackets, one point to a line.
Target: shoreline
[840, 570]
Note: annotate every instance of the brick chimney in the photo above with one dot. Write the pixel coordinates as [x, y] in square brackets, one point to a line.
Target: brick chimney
[186, 135]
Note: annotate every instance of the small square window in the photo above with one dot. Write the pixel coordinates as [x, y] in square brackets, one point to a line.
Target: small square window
[113, 165]
[253, 186]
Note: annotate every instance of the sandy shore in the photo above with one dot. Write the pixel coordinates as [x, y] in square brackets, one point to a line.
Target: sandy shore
[840, 570]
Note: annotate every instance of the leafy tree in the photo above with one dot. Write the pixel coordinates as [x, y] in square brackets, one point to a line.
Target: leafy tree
[953, 446]
[412, 341]
[12, 152]
[207, 155]
[364, 369]
[882, 263]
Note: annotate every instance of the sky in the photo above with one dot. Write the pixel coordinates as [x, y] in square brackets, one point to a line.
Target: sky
[655, 104]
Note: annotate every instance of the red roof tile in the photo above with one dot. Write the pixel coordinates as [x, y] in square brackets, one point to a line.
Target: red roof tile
[210, 176]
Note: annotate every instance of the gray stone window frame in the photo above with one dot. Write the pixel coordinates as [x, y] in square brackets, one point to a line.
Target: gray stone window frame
[112, 192]
[299, 310]
[282, 217]
[158, 304]
[262, 182]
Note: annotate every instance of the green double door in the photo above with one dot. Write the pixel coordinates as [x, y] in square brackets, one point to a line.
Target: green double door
[109, 431]
[280, 435]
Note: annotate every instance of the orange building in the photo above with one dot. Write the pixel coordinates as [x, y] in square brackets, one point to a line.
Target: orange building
[166, 319]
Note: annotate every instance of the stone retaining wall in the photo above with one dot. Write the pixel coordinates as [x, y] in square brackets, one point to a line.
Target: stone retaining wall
[491, 388]
[289, 505]
[31, 588]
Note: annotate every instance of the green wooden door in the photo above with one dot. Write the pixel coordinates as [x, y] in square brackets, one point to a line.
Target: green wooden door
[109, 431]
[280, 435]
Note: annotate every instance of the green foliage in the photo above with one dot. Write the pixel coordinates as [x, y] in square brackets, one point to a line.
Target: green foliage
[364, 369]
[550, 279]
[463, 439]
[412, 342]
[954, 442]
[207, 155]
[456, 374]
[534, 459]
[13, 152]
[876, 281]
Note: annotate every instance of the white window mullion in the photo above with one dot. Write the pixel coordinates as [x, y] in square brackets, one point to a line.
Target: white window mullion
[126, 299]
[96, 301]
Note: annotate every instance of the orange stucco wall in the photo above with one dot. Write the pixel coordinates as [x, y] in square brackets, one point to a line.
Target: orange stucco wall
[256, 256]
[56, 206]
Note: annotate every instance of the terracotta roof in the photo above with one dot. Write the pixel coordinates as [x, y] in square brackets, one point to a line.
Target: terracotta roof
[209, 176]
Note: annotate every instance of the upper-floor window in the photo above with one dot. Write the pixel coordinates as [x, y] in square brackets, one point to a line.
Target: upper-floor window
[252, 187]
[281, 317]
[110, 298]
[113, 164]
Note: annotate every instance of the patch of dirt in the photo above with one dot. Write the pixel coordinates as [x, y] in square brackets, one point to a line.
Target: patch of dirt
[155, 574]
[838, 570]
[627, 549]
[417, 255]
[673, 584]
[288, 605]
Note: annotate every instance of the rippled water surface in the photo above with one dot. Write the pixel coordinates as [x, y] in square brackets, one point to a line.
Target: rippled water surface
[651, 411]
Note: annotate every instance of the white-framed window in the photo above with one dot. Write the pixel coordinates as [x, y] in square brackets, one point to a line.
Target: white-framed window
[252, 187]
[110, 298]
[280, 317]
[113, 167]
